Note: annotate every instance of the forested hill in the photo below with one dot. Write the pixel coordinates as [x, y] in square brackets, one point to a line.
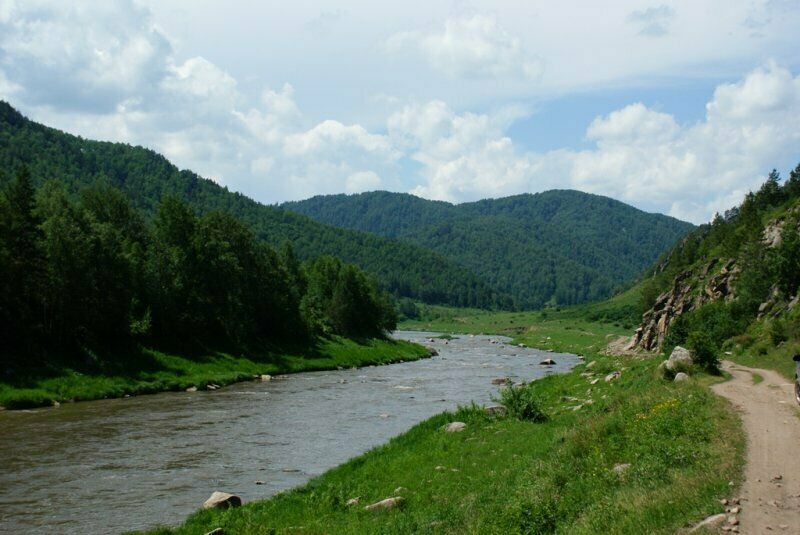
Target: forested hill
[145, 176]
[557, 247]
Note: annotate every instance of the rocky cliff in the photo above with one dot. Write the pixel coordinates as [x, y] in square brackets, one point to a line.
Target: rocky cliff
[714, 280]
[689, 290]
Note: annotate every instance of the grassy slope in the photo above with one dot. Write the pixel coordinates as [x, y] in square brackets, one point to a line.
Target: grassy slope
[158, 372]
[506, 476]
[757, 348]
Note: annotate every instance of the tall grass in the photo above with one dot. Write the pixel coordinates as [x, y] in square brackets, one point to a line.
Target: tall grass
[166, 372]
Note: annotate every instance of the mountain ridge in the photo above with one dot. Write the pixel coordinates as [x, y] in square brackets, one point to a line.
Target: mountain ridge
[146, 176]
[554, 247]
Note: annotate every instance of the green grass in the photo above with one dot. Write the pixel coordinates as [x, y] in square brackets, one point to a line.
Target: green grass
[157, 372]
[554, 331]
[756, 348]
[502, 475]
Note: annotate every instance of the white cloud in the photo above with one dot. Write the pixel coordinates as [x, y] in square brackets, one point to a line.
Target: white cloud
[653, 21]
[112, 74]
[53, 51]
[362, 181]
[471, 47]
[641, 156]
[633, 124]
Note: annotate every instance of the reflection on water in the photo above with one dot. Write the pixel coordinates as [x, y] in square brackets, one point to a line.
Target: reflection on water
[114, 465]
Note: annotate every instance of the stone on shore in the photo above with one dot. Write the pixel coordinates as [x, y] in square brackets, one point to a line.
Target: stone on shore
[680, 377]
[388, 503]
[222, 500]
[455, 427]
[192, 389]
[710, 522]
[613, 375]
[495, 410]
[501, 381]
[265, 377]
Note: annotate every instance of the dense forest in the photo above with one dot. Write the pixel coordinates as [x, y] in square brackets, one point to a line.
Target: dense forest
[557, 247]
[145, 177]
[85, 274]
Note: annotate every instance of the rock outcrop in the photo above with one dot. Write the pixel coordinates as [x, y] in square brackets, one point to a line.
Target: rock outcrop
[689, 290]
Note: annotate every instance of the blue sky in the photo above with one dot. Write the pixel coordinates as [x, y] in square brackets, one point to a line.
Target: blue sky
[676, 107]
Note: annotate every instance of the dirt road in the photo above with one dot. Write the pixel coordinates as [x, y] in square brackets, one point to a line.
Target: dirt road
[771, 491]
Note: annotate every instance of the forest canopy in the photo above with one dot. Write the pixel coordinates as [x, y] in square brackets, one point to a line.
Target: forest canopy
[84, 273]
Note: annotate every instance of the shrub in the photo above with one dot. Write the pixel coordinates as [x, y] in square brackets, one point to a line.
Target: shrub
[705, 350]
[522, 403]
[778, 331]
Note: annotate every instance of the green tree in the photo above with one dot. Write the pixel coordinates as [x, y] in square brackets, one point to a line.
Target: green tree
[21, 262]
[787, 259]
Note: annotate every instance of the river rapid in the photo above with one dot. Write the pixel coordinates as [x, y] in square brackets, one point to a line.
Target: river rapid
[124, 464]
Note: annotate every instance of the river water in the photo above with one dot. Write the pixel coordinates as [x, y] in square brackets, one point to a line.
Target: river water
[114, 465]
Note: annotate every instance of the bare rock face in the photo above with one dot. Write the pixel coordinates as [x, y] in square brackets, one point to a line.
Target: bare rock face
[222, 500]
[689, 291]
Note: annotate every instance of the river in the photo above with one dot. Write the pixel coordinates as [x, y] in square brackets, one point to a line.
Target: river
[114, 465]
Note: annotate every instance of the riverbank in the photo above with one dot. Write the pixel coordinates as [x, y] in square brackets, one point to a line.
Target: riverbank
[156, 371]
[631, 454]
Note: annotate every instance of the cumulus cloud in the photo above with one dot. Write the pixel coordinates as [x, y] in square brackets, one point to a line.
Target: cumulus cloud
[50, 50]
[471, 47]
[653, 21]
[116, 76]
[641, 156]
[104, 70]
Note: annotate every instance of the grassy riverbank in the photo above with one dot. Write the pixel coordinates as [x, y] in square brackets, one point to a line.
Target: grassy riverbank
[154, 371]
[682, 444]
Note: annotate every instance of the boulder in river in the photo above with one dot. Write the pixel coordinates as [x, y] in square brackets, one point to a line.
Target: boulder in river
[222, 500]
[455, 427]
[192, 389]
[265, 377]
[548, 362]
[501, 381]
[388, 503]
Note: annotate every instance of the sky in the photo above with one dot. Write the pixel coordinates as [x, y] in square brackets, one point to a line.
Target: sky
[674, 107]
